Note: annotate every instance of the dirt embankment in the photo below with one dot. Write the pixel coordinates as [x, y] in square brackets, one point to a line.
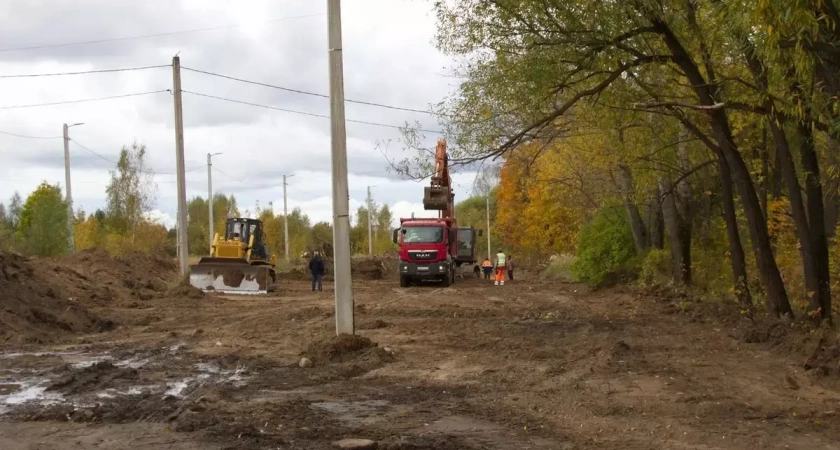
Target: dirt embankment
[362, 267]
[42, 299]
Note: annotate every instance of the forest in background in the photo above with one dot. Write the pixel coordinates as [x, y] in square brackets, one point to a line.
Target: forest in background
[691, 143]
[38, 224]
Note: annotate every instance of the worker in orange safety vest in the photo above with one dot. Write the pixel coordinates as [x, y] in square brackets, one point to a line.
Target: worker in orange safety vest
[487, 267]
[501, 267]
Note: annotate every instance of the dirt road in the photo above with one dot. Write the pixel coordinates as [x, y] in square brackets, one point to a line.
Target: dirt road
[531, 365]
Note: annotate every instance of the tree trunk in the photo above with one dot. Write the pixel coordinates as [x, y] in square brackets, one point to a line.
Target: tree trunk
[674, 227]
[768, 270]
[736, 250]
[832, 185]
[816, 218]
[797, 207]
[637, 225]
[765, 166]
[685, 211]
[657, 224]
[706, 91]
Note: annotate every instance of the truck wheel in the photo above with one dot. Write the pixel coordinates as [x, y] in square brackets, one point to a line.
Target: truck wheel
[447, 280]
[403, 281]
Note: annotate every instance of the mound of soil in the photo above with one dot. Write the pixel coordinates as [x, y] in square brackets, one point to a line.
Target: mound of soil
[44, 298]
[185, 290]
[95, 278]
[374, 267]
[346, 348]
[98, 376]
[34, 308]
[362, 267]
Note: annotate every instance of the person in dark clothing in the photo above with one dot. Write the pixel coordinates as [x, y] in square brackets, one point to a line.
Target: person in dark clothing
[316, 268]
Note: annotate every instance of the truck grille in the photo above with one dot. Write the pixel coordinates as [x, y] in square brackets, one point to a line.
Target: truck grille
[423, 255]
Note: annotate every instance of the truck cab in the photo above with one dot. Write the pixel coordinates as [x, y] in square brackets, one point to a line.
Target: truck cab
[431, 249]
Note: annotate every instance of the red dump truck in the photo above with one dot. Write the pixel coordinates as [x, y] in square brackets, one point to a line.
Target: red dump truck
[432, 248]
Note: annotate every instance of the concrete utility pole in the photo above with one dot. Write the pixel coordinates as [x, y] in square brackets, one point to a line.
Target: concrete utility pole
[183, 250]
[71, 241]
[285, 220]
[370, 221]
[210, 197]
[488, 227]
[341, 195]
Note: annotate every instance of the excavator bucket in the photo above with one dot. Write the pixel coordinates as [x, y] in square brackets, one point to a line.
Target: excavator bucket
[434, 198]
[232, 276]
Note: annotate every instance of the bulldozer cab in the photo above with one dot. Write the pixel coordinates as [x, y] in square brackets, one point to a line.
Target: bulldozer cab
[239, 229]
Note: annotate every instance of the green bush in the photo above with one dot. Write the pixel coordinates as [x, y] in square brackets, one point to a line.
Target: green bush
[606, 251]
[560, 268]
[656, 267]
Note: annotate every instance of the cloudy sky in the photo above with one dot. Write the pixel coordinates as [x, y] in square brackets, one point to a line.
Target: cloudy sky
[389, 59]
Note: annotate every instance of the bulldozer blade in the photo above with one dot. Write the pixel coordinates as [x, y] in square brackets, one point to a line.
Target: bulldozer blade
[232, 277]
[434, 198]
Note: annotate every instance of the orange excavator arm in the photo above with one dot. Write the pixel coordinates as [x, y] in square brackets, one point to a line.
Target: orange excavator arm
[438, 196]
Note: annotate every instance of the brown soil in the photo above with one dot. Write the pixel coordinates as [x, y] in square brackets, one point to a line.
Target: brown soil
[43, 299]
[532, 364]
[100, 375]
[34, 308]
[362, 267]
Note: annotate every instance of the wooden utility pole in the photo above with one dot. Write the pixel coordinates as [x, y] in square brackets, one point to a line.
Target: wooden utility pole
[487, 200]
[183, 251]
[211, 232]
[341, 196]
[285, 220]
[71, 246]
[370, 222]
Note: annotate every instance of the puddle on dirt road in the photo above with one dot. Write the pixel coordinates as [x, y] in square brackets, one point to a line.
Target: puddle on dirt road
[26, 377]
[24, 391]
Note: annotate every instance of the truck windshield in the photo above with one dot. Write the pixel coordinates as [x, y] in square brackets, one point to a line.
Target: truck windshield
[425, 235]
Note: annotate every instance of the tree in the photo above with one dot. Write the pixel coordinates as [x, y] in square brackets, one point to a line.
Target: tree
[13, 212]
[131, 191]
[530, 66]
[43, 221]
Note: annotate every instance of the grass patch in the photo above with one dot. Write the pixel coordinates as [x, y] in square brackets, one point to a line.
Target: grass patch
[560, 269]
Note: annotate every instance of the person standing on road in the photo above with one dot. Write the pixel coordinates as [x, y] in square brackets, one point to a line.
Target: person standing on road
[501, 266]
[316, 268]
[487, 267]
[510, 267]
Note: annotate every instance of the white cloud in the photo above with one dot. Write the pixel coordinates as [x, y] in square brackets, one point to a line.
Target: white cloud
[161, 217]
[388, 55]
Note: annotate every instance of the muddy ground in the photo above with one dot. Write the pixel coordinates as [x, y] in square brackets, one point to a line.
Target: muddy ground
[530, 365]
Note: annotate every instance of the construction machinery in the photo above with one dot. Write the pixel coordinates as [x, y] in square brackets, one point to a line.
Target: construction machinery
[239, 262]
[431, 248]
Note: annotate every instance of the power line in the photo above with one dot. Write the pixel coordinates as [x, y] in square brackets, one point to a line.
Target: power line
[229, 176]
[302, 112]
[29, 137]
[99, 155]
[144, 36]
[84, 100]
[84, 72]
[314, 94]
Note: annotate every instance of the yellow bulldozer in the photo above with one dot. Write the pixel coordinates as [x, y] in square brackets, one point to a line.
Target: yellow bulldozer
[239, 262]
